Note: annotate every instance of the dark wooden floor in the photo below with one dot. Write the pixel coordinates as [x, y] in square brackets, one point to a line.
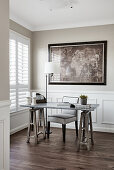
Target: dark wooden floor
[53, 154]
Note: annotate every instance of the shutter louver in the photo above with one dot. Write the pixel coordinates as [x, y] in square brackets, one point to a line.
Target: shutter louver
[12, 72]
[19, 70]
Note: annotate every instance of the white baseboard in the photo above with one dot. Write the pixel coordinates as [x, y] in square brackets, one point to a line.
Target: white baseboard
[100, 129]
[19, 128]
[71, 126]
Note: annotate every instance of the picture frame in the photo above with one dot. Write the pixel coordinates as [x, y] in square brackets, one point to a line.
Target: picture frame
[80, 63]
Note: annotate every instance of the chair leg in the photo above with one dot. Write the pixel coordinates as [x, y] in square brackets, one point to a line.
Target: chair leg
[43, 120]
[48, 129]
[29, 127]
[38, 124]
[64, 131]
[35, 127]
[83, 136]
[76, 126]
[32, 126]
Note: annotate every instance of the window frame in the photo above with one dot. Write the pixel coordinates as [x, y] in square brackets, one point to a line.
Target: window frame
[18, 35]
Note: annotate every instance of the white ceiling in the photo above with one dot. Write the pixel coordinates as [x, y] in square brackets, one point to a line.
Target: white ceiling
[55, 14]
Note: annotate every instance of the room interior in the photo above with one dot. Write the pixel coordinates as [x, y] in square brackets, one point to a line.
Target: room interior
[34, 26]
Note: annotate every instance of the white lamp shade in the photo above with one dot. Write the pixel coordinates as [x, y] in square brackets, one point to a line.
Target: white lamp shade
[51, 67]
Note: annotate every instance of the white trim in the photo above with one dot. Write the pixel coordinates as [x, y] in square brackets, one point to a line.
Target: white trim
[105, 122]
[4, 136]
[19, 128]
[18, 112]
[72, 126]
[78, 25]
[4, 103]
[103, 129]
[57, 27]
[72, 91]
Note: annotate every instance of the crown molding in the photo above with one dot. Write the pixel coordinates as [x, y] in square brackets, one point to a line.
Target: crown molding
[55, 27]
[22, 23]
[78, 25]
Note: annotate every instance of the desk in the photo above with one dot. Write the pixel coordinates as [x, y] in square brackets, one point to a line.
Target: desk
[86, 109]
[60, 105]
[56, 105]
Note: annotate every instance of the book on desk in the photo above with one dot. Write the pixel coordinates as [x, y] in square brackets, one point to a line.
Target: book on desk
[66, 104]
[73, 105]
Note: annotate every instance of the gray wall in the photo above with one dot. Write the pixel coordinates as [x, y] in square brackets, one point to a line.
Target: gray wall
[4, 48]
[22, 30]
[41, 39]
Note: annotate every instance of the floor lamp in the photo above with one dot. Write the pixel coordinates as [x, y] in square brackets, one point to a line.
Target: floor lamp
[50, 69]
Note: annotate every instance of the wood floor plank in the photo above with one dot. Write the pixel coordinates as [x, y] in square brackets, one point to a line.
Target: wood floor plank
[53, 154]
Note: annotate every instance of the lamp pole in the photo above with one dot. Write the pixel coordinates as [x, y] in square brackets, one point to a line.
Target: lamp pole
[46, 87]
[50, 69]
[46, 101]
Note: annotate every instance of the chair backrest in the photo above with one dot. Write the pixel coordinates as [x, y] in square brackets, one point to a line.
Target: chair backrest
[72, 100]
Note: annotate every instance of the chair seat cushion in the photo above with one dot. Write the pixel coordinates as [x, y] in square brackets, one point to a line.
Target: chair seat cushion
[62, 116]
[71, 112]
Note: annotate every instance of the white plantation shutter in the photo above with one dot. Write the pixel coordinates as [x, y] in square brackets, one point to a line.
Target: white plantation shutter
[19, 47]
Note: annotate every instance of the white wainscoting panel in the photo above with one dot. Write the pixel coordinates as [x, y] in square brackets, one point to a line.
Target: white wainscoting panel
[18, 121]
[4, 134]
[108, 111]
[103, 116]
[1, 145]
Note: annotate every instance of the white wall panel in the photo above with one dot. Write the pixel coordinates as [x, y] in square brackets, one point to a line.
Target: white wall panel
[108, 111]
[4, 135]
[19, 121]
[102, 117]
[1, 144]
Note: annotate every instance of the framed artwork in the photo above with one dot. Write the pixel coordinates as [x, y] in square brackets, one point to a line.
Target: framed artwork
[80, 63]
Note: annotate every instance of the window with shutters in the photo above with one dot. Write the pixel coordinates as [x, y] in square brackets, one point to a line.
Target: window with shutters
[19, 50]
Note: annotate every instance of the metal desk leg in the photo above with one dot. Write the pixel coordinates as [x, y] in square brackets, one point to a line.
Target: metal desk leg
[87, 131]
[83, 138]
[80, 131]
[91, 129]
[47, 125]
[76, 125]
